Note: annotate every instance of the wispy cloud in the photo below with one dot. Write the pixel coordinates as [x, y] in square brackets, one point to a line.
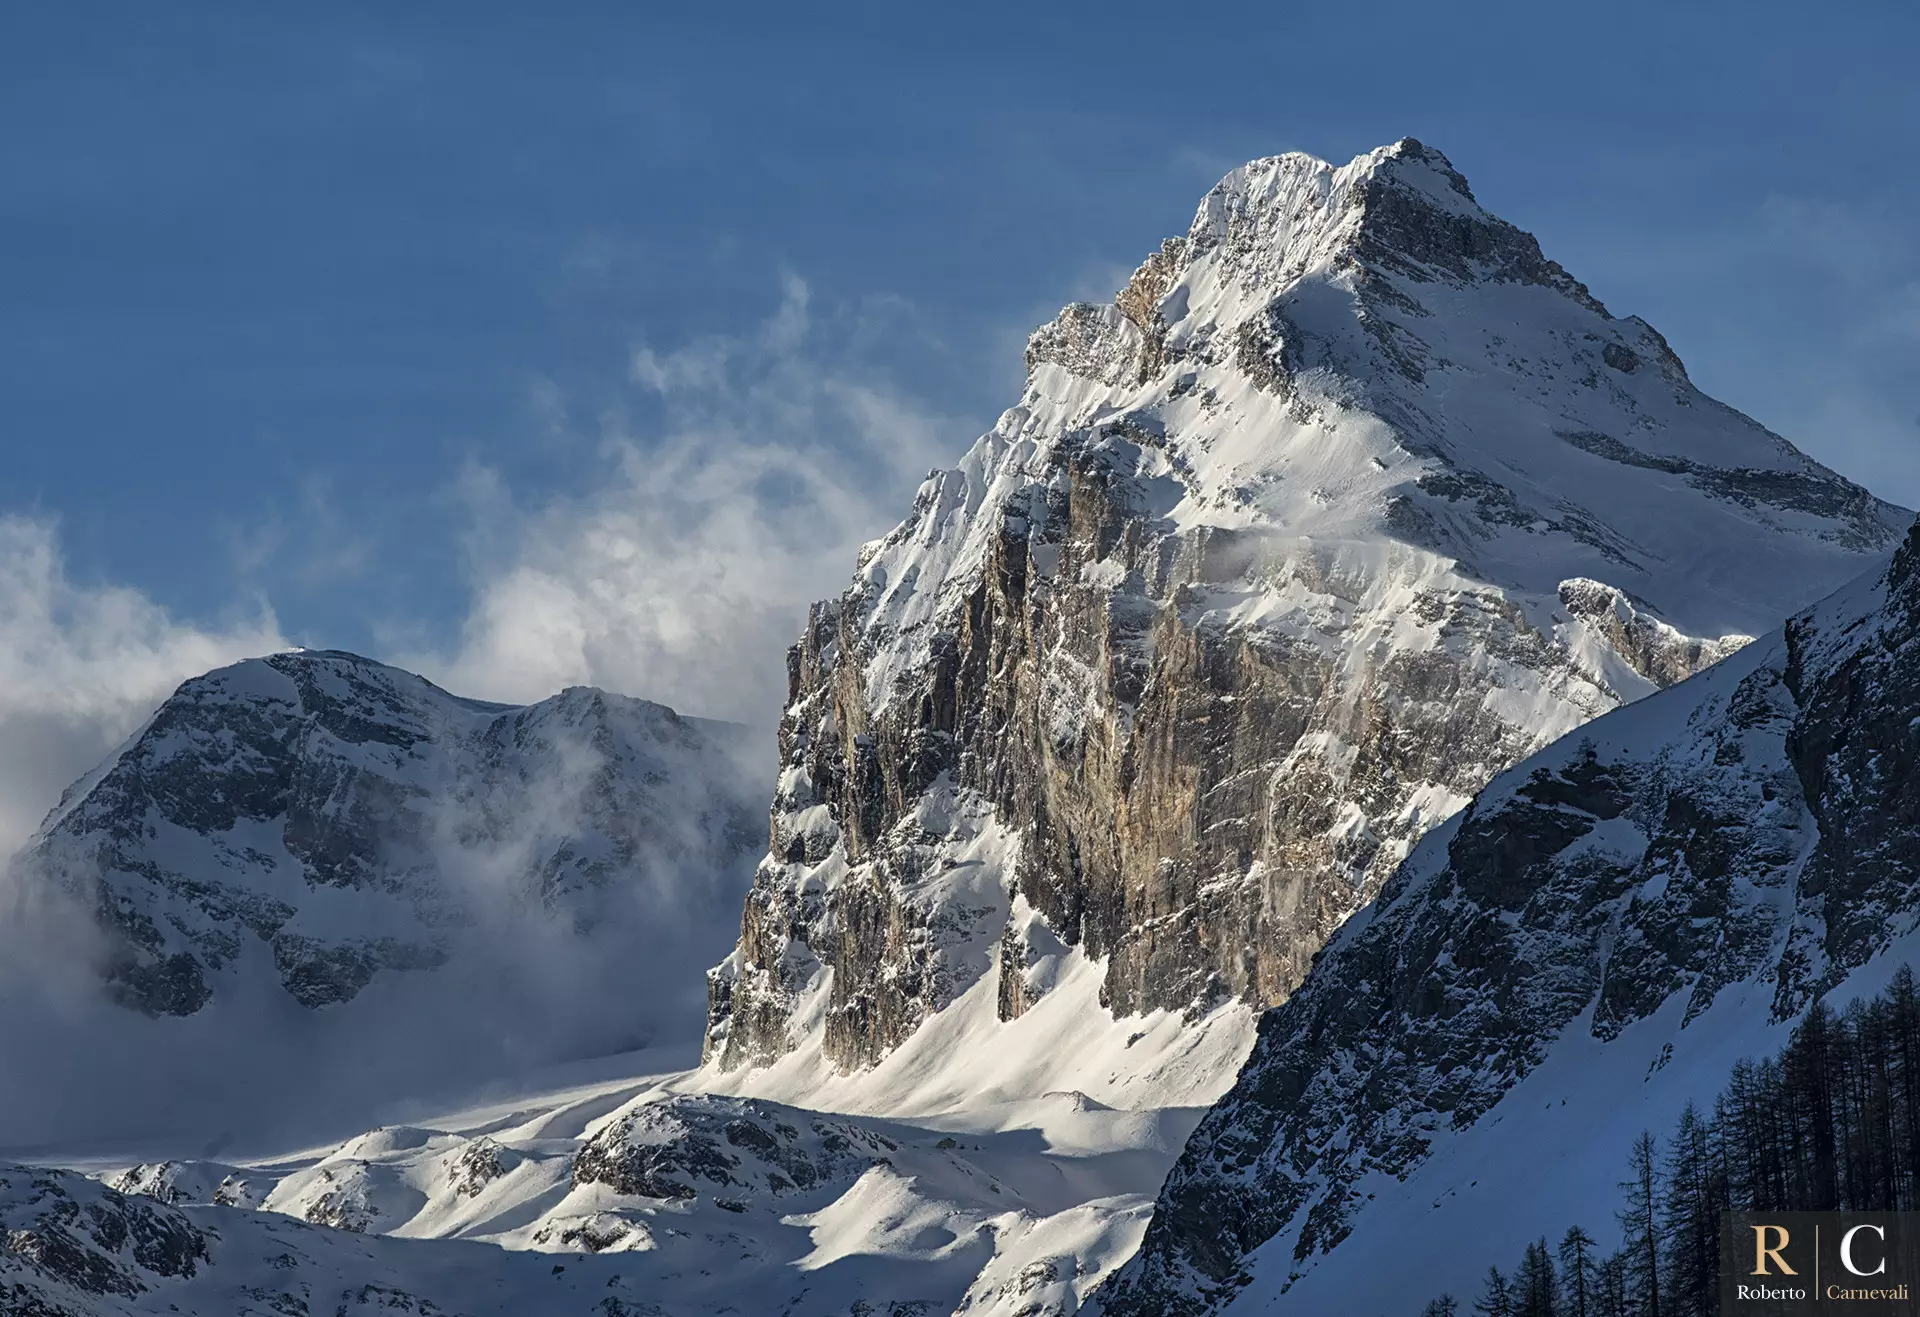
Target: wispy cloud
[687, 573]
[81, 665]
[1853, 243]
[771, 455]
[318, 541]
[1856, 398]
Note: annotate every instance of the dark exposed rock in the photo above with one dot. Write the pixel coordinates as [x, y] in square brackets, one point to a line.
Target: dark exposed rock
[478, 1164]
[1856, 752]
[174, 985]
[1095, 341]
[1139, 303]
[386, 1299]
[315, 973]
[1620, 357]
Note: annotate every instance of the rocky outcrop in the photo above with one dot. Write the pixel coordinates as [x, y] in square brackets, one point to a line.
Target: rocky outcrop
[1649, 646]
[191, 1182]
[66, 1243]
[731, 1149]
[478, 1164]
[1278, 560]
[1758, 825]
[341, 820]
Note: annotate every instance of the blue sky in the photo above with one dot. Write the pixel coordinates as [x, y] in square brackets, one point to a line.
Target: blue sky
[340, 325]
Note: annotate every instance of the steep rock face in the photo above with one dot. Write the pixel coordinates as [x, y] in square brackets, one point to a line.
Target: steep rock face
[1758, 825]
[338, 820]
[1349, 501]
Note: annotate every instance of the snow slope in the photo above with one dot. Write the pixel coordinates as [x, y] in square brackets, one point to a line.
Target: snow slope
[77, 1249]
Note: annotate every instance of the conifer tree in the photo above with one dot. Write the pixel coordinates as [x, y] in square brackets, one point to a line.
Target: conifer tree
[1640, 1223]
[1610, 1289]
[1496, 1298]
[1690, 1220]
[1535, 1288]
[1577, 1273]
[1904, 1030]
[1833, 1121]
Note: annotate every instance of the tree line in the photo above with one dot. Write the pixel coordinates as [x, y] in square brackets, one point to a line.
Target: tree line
[1830, 1124]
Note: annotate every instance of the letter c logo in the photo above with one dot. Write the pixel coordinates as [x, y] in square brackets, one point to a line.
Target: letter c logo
[1846, 1251]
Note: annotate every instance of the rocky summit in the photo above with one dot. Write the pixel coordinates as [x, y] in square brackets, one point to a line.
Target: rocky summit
[1349, 500]
[314, 821]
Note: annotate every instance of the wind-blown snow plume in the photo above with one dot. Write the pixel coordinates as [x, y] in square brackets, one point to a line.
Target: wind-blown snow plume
[684, 576]
[81, 665]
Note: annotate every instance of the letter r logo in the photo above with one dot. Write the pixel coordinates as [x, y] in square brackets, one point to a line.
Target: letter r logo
[1762, 1250]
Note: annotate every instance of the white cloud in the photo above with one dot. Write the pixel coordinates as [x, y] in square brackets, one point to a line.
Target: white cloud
[319, 542]
[685, 576]
[81, 666]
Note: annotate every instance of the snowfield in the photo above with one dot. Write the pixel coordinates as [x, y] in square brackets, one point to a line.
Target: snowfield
[981, 1169]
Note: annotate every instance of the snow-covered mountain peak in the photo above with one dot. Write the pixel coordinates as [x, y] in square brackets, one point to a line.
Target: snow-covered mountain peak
[1401, 209]
[1365, 352]
[313, 851]
[1349, 500]
[340, 809]
[1277, 210]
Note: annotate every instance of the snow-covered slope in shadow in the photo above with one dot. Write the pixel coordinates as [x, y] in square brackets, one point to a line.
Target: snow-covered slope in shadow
[1590, 944]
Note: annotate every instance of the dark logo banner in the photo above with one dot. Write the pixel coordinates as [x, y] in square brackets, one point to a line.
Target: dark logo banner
[1782, 1264]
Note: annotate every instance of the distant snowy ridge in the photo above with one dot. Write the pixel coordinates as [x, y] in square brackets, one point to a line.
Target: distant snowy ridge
[1350, 500]
[70, 1247]
[1611, 924]
[311, 802]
